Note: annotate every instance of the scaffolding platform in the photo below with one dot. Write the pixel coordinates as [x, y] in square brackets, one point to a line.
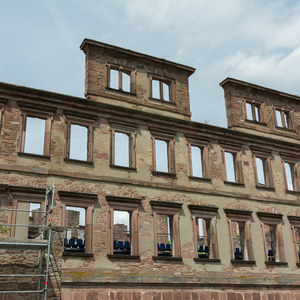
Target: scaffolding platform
[22, 244]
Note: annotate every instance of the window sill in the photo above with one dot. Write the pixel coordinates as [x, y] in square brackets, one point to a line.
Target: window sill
[232, 183]
[123, 256]
[286, 129]
[77, 161]
[200, 179]
[46, 157]
[293, 192]
[267, 188]
[66, 254]
[163, 101]
[121, 91]
[168, 258]
[256, 122]
[157, 173]
[243, 262]
[207, 260]
[123, 168]
[276, 263]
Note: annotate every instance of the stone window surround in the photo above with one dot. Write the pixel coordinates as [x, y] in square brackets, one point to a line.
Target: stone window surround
[83, 200]
[261, 110]
[294, 222]
[208, 213]
[162, 79]
[24, 194]
[130, 131]
[273, 219]
[204, 146]
[48, 117]
[294, 166]
[122, 69]
[169, 209]
[266, 158]
[241, 216]
[169, 138]
[237, 159]
[86, 121]
[130, 205]
[283, 111]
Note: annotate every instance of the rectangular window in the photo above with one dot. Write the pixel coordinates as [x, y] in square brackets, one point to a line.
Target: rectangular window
[197, 161]
[123, 226]
[295, 232]
[36, 129]
[205, 234]
[121, 78]
[75, 225]
[79, 139]
[77, 220]
[254, 111]
[289, 175]
[162, 88]
[163, 154]
[283, 118]
[233, 171]
[123, 145]
[166, 229]
[240, 235]
[263, 171]
[272, 235]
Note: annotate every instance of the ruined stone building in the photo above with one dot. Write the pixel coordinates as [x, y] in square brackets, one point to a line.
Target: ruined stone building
[157, 206]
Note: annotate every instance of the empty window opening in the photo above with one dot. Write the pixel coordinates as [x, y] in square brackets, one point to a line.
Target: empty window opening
[297, 240]
[260, 167]
[78, 142]
[114, 79]
[271, 242]
[166, 92]
[30, 217]
[121, 232]
[155, 89]
[161, 156]
[197, 161]
[75, 229]
[289, 176]
[164, 235]
[278, 118]
[121, 149]
[125, 82]
[253, 112]
[238, 240]
[34, 136]
[230, 166]
[287, 119]
[203, 237]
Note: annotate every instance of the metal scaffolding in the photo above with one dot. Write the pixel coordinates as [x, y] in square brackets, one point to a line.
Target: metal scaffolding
[42, 245]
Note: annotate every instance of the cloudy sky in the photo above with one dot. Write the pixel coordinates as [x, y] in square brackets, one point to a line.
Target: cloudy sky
[256, 41]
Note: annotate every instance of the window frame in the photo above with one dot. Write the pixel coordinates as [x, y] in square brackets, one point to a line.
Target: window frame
[294, 167]
[241, 216]
[295, 222]
[237, 162]
[267, 165]
[261, 110]
[273, 219]
[162, 79]
[283, 111]
[121, 69]
[85, 121]
[168, 209]
[82, 200]
[130, 131]
[206, 213]
[43, 115]
[169, 138]
[204, 148]
[132, 206]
